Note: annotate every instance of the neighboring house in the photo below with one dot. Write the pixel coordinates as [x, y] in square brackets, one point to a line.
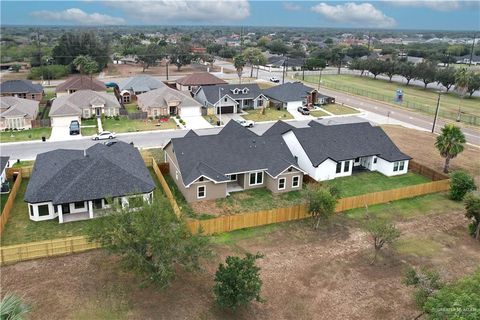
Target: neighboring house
[326, 152]
[79, 82]
[24, 89]
[195, 80]
[475, 60]
[414, 60]
[276, 62]
[17, 113]
[4, 164]
[82, 104]
[292, 95]
[80, 184]
[231, 98]
[167, 101]
[212, 166]
[131, 87]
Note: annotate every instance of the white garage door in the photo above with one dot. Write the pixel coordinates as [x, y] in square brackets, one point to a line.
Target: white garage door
[190, 111]
[294, 105]
[63, 121]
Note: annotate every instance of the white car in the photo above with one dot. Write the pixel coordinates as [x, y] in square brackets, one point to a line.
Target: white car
[274, 79]
[246, 123]
[104, 135]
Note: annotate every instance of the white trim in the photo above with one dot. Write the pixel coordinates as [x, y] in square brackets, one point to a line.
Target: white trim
[298, 185]
[241, 172]
[204, 191]
[304, 172]
[284, 183]
[256, 183]
[230, 176]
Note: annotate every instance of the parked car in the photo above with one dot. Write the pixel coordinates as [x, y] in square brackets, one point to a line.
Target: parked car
[74, 127]
[104, 135]
[274, 79]
[246, 123]
[303, 110]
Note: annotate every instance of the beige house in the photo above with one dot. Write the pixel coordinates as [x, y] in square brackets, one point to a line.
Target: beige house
[17, 113]
[166, 101]
[77, 83]
[24, 89]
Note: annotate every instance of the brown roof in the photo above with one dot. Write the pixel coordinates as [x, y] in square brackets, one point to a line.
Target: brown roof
[81, 82]
[200, 79]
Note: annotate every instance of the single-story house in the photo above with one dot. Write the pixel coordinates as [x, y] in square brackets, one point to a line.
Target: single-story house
[17, 113]
[167, 101]
[327, 152]
[82, 104]
[195, 80]
[212, 166]
[24, 89]
[80, 184]
[292, 95]
[279, 62]
[230, 98]
[133, 86]
[475, 60]
[79, 82]
[4, 164]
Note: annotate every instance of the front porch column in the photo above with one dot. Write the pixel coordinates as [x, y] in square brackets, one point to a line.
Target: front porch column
[60, 214]
[90, 209]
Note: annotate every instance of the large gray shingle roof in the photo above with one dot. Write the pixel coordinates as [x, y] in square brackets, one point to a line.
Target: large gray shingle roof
[141, 83]
[3, 162]
[74, 103]
[346, 141]
[211, 92]
[288, 92]
[162, 97]
[235, 149]
[65, 176]
[20, 86]
[13, 106]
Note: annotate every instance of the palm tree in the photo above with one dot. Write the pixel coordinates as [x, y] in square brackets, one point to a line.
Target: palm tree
[13, 308]
[86, 65]
[239, 63]
[450, 143]
[462, 79]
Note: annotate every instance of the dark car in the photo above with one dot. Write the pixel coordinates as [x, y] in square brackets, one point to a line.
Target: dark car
[74, 127]
[303, 110]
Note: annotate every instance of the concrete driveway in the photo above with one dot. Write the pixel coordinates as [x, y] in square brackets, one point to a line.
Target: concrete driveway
[298, 116]
[61, 133]
[196, 122]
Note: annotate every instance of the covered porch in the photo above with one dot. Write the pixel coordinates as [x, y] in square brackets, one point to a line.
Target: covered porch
[82, 210]
[233, 186]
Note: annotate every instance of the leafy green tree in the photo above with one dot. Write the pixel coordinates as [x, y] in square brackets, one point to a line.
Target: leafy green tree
[315, 63]
[263, 42]
[406, 70]
[425, 72]
[181, 53]
[50, 72]
[459, 300]
[254, 57]
[238, 282]
[472, 208]
[446, 77]
[85, 65]
[382, 232]
[150, 54]
[239, 64]
[152, 241]
[357, 51]
[12, 307]
[375, 67]
[15, 67]
[277, 46]
[473, 84]
[450, 143]
[426, 283]
[461, 183]
[390, 69]
[321, 203]
[462, 79]
[358, 64]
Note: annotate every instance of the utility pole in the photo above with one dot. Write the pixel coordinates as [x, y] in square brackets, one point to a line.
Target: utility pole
[436, 112]
[166, 67]
[284, 69]
[320, 79]
[473, 46]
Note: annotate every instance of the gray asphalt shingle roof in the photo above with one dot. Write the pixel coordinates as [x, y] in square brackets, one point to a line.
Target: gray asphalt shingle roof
[65, 176]
[235, 149]
[288, 92]
[211, 92]
[141, 83]
[346, 141]
[74, 103]
[20, 86]
[13, 106]
[164, 97]
[3, 162]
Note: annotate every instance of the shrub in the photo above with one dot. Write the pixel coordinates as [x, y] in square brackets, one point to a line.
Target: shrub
[460, 184]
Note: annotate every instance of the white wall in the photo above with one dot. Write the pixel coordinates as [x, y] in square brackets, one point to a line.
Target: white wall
[296, 149]
[386, 167]
[294, 105]
[33, 212]
[327, 170]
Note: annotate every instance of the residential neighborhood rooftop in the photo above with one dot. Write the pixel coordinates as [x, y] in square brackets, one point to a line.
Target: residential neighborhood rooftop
[200, 79]
[81, 82]
[140, 83]
[235, 91]
[73, 104]
[289, 91]
[20, 86]
[17, 107]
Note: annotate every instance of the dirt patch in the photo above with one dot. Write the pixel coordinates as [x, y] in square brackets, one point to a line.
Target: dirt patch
[421, 146]
[306, 275]
[127, 70]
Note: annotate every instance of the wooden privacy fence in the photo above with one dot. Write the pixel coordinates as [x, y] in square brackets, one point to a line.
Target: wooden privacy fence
[426, 171]
[9, 204]
[247, 220]
[42, 249]
[167, 190]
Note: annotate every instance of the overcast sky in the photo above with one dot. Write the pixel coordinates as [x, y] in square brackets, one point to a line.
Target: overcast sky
[400, 14]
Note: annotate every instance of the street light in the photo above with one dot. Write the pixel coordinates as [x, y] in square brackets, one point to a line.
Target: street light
[436, 111]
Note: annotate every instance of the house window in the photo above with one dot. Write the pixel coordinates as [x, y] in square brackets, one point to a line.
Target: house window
[281, 183]
[97, 204]
[357, 160]
[256, 178]
[33, 97]
[260, 102]
[225, 99]
[55, 209]
[22, 95]
[395, 167]
[201, 192]
[374, 159]
[233, 177]
[135, 202]
[346, 166]
[339, 167]
[30, 210]
[201, 179]
[401, 166]
[79, 205]
[43, 210]
[295, 181]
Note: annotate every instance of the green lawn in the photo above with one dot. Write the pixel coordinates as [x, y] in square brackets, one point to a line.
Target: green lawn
[23, 163]
[25, 135]
[385, 91]
[181, 202]
[318, 113]
[338, 109]
[126, 125]
[131, 107]
[158, 154]
[3, 200]
[212, 119]
[89, 131]
[270, 115]
[89, 122]
[366, 182]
